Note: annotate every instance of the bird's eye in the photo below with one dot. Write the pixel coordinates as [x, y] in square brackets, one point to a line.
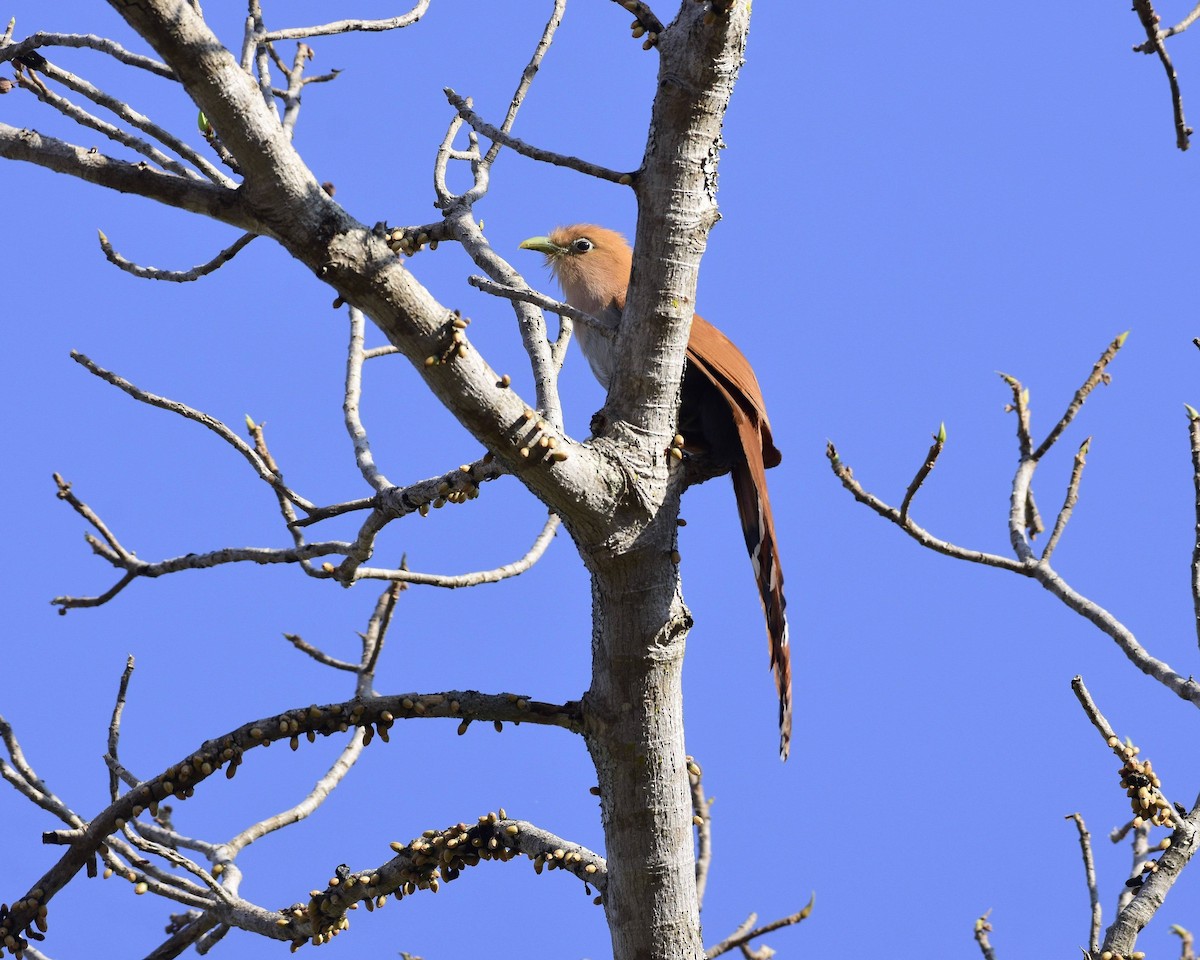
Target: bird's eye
[582, 245]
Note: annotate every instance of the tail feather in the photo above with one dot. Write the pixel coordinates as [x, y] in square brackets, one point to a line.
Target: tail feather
[758, 526]
[724, 366]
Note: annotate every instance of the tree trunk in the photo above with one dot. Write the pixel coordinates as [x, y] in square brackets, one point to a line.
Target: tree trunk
[635, 734]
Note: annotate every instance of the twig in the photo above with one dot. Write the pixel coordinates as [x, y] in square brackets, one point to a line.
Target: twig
[85, 119]
[1020, 406]
[213, 424]
[527, 75]
[396, 502]
[22, 776]
[1026, 563]
[1186, 940]
[1148, 47]
[1071, 499]
[372, 638]
[377, 630]
[1194, 438]
[306, 807]
[531, 323]
[742, 936]
[114, 725]
[1098, 375]
[645, 17]
[296, 83]
[181, 939]
[372, 643]
[931, 458]
[88, 41]
[603, 326]
[319, 655]
[171, 884]
[286, 509]
[496, 135]
[701, 815]
[983, 927]
[138, 120]
[918, 533]
[455, 581]
[350, 406]
[118, 553]
[1137, 776]
[1150, 21]
[175, 276]
[1089, 870]
[203, 561]
[1139, 847]
[348, 26]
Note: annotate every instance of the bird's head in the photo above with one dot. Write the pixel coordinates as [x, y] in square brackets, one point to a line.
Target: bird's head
[591, 264]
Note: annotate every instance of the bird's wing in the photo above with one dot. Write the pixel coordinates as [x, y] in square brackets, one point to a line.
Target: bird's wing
[724, 364]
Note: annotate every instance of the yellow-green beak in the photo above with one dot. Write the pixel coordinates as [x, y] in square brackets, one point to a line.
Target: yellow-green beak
[543, 245]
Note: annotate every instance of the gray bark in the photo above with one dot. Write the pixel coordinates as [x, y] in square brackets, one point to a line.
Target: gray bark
[618, 496]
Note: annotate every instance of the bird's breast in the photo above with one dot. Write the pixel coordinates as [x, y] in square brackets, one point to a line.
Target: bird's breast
[598, 348]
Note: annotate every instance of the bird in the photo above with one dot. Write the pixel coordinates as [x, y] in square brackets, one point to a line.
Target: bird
[721, 412]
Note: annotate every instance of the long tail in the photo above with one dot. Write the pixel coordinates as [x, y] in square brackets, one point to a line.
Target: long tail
[758, 526]
[724, 366]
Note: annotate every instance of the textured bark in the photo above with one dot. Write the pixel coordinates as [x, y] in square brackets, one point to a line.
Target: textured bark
[618, 496]
[640, 624]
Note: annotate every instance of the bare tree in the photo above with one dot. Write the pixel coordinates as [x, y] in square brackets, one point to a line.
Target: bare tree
[617, 495]
[1157, 865]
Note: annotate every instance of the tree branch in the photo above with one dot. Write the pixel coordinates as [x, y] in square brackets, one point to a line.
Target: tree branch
[174, 276]
[744, 935]
[1154, 41]
[349, 26]
[196, 196]
[228, 751]
[1089, 870]
[497, 135]
[434, 858]
[14, 51]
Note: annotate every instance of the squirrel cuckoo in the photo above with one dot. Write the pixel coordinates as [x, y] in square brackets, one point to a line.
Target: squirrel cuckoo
[721, 411]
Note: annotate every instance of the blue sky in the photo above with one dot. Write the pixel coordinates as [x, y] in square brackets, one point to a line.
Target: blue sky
[911, 203]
